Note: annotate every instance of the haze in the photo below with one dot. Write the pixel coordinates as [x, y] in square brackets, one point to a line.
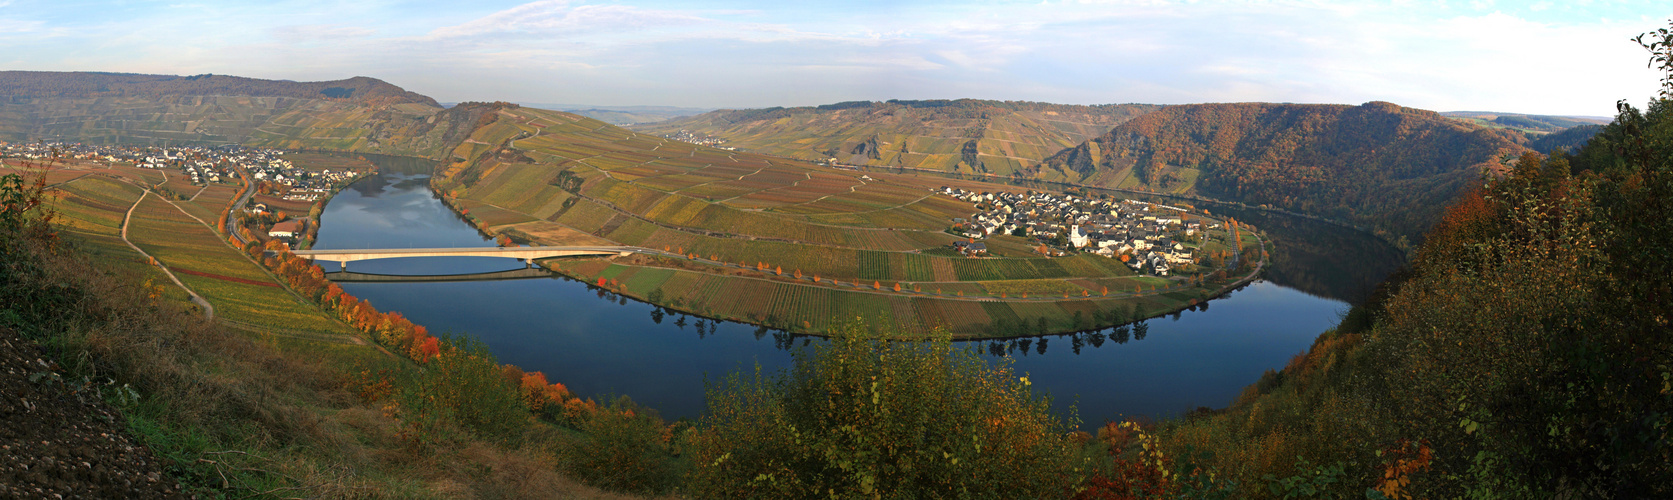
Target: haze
[1563, 58]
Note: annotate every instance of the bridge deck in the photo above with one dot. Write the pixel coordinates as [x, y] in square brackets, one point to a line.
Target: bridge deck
[524, 253]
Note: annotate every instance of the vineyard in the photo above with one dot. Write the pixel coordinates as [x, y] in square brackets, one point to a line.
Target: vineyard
[773, 241]
[993, 308]
[218, 272]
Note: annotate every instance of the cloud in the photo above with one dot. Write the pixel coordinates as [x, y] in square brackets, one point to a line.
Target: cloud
[559, 18]
[320, 33]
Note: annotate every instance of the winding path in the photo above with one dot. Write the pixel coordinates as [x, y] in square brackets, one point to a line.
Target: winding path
[208, 310]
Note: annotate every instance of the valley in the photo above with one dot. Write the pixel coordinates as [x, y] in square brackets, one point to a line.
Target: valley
[1056, 250]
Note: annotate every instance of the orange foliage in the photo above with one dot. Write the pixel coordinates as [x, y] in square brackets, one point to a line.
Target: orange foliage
[1404, 461]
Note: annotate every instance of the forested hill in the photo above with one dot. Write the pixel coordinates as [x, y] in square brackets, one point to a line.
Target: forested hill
[16, 86]
[966, 135]
[1380, 165]
[358, 114]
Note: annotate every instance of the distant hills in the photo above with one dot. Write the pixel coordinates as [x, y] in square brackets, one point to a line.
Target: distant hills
[622, 115]
[357, 114]
[1377, 164]
[966, 135]
[23, 85]
[1523, 122]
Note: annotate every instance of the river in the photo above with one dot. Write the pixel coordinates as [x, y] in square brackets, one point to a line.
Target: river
[601, 345]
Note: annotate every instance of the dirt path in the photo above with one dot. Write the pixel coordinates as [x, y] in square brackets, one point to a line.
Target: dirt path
[208, 310]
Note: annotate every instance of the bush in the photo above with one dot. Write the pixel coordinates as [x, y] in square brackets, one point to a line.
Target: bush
[861, 415]
[623, 448]
[462, 387]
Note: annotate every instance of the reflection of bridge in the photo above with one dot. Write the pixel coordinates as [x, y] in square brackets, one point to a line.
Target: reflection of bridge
[524, 253]
[514, 274]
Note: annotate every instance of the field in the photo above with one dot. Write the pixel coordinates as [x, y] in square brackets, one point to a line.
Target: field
[91, 210]
[239, 289]
[763, 229]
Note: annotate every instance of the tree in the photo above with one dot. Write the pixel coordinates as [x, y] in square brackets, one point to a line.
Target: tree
[861, 416]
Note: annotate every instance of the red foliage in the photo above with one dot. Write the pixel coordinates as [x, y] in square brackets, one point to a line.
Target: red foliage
[428, 350]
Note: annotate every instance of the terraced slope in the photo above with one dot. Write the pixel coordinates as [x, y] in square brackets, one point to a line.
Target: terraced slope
[965, 136]
[770, 240]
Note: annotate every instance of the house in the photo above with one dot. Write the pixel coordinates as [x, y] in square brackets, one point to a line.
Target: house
[969, 248]
[286, 229]
[1078, 238]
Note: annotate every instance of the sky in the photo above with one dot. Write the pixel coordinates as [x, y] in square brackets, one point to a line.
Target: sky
[1567, 57]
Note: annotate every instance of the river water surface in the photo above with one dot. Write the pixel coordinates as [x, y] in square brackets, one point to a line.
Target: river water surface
[601, 345]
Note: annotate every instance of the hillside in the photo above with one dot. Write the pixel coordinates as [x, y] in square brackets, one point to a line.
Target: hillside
[359, 114]
[1485, 371]
[1571, 139]
[15, 85]
[966, 135]
[1524, 122]
[799, 246]
[1377, 164]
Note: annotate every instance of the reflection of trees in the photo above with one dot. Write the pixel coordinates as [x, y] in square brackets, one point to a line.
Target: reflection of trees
[1322, 259]
[370, 186]
[657, 314]
[784, 340]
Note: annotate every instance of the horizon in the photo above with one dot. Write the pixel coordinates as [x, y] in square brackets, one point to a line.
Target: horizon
[1540, 58]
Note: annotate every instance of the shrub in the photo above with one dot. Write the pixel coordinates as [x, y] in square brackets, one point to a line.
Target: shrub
[862, 415]
[462, 386]
[624, 448]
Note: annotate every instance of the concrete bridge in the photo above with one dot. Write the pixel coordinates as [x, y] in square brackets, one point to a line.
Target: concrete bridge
[524, 253]
[514, 274]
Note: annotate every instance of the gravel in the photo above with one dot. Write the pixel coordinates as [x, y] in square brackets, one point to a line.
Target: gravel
[58, 443]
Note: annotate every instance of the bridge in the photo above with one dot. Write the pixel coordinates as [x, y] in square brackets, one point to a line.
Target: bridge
[524, 253]
[514, 274]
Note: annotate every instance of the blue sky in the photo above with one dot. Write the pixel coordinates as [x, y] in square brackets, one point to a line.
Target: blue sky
[1551, 57]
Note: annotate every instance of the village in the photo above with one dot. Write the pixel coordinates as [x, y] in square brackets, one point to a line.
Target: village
[1149, 237]
[203, 165]
[699, 139]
